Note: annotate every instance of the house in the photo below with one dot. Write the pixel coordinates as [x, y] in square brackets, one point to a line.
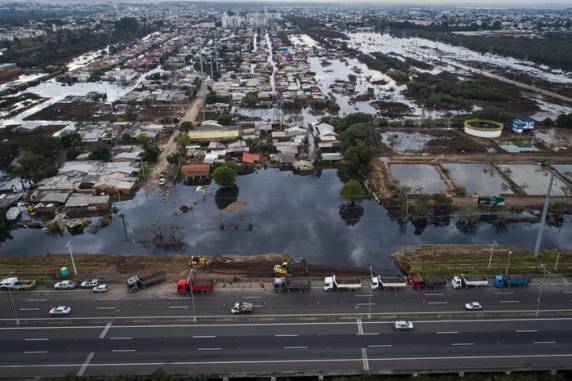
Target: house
[79, 202]
[521, 125]
[195, 171]
[213, 135]
[250, 158]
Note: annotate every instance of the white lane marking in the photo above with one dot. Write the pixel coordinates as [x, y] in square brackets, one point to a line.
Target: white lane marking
[209, 349]
[567, 292]
[504, 293]
[362, 296]
[81, 370]
[526, 331]
[179, 298]
[359, 326]
[36, 339]
[104, 332]
[28, 309]
[434, 294]
[105, 308]
[297, 347]
[509, 301]
[446, 332]
[437, 302]
[544, 342]
[123, 350]
[36, 300]
[364, 359]
[178, 306]
[380, 346]
[120, 338]
[463, 344]
[34, 352]
[251, 297]
[337, 360]
[286, 335]
[371, 334]
[204, 337]
[365, 304]
[108, 299]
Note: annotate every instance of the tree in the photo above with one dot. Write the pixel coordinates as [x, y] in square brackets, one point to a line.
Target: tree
[71, 140]
[150, 153]
[32, 166]
[564, 121]
[186, 126]
[142, 138]
[225, 119]
[352, 191]
[102, 153]
[359, 157]
[224, 176]
[183, 139]
[130, 115]
[360, 131]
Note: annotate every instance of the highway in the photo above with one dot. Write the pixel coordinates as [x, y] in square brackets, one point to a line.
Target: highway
[345, 346]
[117, 303]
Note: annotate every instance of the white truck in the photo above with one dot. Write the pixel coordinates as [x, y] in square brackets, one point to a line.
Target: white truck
[379, 282]
[462, 281]
[333, 283]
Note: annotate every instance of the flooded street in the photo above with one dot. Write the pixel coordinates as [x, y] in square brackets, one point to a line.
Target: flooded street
[282, 212]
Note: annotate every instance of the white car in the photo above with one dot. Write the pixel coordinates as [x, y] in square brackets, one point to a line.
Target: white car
[403, 325]
[101, 288]
[65, 285]
[162, 181]
[89, 283]
[60, 310]
[473, 306]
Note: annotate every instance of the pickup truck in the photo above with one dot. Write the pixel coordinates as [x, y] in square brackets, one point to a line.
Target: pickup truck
[292, 284]
[511, 281]
[461, 281]
[241, 308]
[388, 283]
[332, 283]
[136, 283]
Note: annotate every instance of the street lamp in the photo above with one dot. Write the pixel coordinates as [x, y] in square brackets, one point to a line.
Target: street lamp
[369, 304]
[70, 246]
[540, 290]
[13, 306]
[492, 252]
[507, 262]
[192, 296]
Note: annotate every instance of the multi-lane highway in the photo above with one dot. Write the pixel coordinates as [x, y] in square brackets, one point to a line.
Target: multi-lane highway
[120, 333]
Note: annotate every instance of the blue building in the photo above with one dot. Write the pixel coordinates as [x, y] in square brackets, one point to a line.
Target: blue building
[521, 125]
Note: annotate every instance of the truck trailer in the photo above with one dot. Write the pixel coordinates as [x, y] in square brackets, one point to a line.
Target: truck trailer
[136, 283]
[292, 284]
[511, 281]
[196, 286]
[462, 281]
[333, 283]
[379, 282]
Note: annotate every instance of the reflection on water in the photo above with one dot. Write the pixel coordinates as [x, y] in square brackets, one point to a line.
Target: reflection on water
[298, 215]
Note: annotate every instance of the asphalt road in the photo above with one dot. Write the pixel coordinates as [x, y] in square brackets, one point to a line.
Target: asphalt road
[117, 304]
[321, 346]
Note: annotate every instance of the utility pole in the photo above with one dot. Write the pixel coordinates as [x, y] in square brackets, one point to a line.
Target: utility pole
[507, 262]
[192, 296]
[543, 219]
[557, 258]
[70, 246]
[122, 216]
[492, 252]
[369, 304]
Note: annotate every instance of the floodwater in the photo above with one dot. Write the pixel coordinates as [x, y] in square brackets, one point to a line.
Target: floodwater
[533, 179]
[406, 142]
[285, 213]
[479, 179]
[564, 169]
[421, 178]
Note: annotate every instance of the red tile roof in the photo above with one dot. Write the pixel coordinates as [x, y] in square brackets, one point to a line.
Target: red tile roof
[190, 170]
[250, 158]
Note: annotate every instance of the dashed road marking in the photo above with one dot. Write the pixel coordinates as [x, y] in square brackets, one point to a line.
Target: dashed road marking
[209, 349]
[85, 364]
[364, 359]
[36, 339]
[526, 331]
[463, 344]
[544, 342]
[446, 332]
[105, 329]
[359, 327]
[380, 346]
[297, 347]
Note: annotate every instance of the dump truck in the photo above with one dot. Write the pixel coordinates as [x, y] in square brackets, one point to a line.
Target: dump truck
[292, 284]
[379, 282]
[15, 284]
[511, 281]
[196, 286]
[136, 283]
[461, 281]
[293, 267]
[241, 308]
[333, 283]
[427, 283]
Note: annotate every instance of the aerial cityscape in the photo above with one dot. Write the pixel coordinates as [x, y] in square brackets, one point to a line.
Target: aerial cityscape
[264, 190]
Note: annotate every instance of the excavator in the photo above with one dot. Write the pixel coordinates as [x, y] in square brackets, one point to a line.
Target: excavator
[197, 261]
[294, 266]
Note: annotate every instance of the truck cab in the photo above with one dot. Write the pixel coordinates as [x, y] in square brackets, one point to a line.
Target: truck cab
[457, 282]
[329, 283]
[375, 283]
[8, 283]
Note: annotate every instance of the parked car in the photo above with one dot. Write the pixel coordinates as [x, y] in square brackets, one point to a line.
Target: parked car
[89, 283]
[65, 285]
[60, 310]
[473, 306]
[100, 288]
[162, 181]
[403, 325]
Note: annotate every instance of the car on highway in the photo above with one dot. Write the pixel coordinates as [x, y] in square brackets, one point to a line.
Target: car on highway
[162, 181]
[241, 308]
[65, 285]
[89, 283]
[100, 288]
[473, 306]
[60, 310]
[403, 325]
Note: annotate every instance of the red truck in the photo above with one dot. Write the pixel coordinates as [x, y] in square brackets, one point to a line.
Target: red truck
[427, 283]
[198, 286]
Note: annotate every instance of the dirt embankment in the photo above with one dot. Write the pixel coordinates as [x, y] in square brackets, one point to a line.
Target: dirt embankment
[474, 260]
[117, 268]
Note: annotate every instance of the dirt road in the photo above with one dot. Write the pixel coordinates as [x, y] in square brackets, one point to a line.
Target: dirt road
[162, 164]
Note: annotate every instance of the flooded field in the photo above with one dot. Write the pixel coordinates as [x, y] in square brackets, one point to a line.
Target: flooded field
[277, 211]
[517, 147]
[564, 170]
[479, 179]
[533, 179]
[421, 178]
[406, 142]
